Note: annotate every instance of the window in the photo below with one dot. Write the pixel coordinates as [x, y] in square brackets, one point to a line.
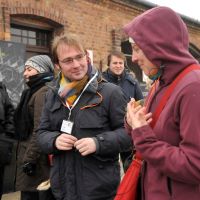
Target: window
[37, 40]
[30, 36]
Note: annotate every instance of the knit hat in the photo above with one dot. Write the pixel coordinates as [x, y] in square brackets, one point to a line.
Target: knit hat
[42, 63]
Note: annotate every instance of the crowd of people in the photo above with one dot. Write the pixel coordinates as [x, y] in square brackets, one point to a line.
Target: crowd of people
[72, 127]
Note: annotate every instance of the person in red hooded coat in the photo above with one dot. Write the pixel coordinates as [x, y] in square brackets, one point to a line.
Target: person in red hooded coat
[171, 168]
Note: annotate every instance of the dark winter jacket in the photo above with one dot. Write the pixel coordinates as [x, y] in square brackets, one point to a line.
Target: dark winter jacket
[6, 113]
[28, 150]
[95, 176]
[172, 149]
[129, 86]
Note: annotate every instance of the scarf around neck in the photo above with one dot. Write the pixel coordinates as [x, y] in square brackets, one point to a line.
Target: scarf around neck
[22, 117]
[69, 91]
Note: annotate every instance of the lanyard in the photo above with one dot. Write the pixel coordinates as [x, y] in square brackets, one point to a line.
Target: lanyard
[74, 104]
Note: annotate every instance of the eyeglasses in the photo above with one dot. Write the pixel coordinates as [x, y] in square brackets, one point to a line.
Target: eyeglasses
[70, 60]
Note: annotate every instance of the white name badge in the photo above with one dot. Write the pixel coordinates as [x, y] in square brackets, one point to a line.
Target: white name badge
[67, 126]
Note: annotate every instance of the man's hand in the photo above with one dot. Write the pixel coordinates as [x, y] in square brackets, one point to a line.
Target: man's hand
[65, 141]
[85, 146]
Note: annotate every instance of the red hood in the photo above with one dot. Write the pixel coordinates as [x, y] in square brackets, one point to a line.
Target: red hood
[163, 37]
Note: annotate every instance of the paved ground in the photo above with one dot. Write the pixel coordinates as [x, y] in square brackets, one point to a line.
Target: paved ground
[11, 196]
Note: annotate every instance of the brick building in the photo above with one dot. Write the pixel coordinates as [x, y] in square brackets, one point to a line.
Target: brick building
[33, 23]
[98, 22]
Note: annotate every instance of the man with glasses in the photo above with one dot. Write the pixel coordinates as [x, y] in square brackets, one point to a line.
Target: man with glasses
[82, 126]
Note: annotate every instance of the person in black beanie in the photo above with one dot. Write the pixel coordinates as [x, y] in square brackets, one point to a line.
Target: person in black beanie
[32, 165]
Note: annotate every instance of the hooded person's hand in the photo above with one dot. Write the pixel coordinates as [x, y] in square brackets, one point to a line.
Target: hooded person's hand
[136, 115]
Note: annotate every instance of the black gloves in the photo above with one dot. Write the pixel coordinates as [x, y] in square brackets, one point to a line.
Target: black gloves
[29, 168]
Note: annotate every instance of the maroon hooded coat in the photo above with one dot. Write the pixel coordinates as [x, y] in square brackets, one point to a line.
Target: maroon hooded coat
[172, 149]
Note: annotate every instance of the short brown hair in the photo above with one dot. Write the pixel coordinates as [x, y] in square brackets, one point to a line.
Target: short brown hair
[68, 39]
[118, 54]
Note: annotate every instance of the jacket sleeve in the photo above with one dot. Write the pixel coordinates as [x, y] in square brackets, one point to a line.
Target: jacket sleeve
[45, 135]
[179, 162]
[33, 150]
[116, 140]
[127, 127]
[9, 115]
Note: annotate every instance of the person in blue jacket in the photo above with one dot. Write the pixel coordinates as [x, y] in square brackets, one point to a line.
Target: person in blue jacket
[118, 75]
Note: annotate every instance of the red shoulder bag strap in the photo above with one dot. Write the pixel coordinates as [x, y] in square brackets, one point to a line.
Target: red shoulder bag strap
[170, 90]
[167, 94]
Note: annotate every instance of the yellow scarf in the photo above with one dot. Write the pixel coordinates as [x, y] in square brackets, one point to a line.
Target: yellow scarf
[69, 91]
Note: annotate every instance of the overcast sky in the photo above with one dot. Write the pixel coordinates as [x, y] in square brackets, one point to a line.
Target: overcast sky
[189, 8]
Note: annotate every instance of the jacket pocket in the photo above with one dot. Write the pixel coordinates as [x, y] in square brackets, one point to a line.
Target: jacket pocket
[107, 174]
[91, 118]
